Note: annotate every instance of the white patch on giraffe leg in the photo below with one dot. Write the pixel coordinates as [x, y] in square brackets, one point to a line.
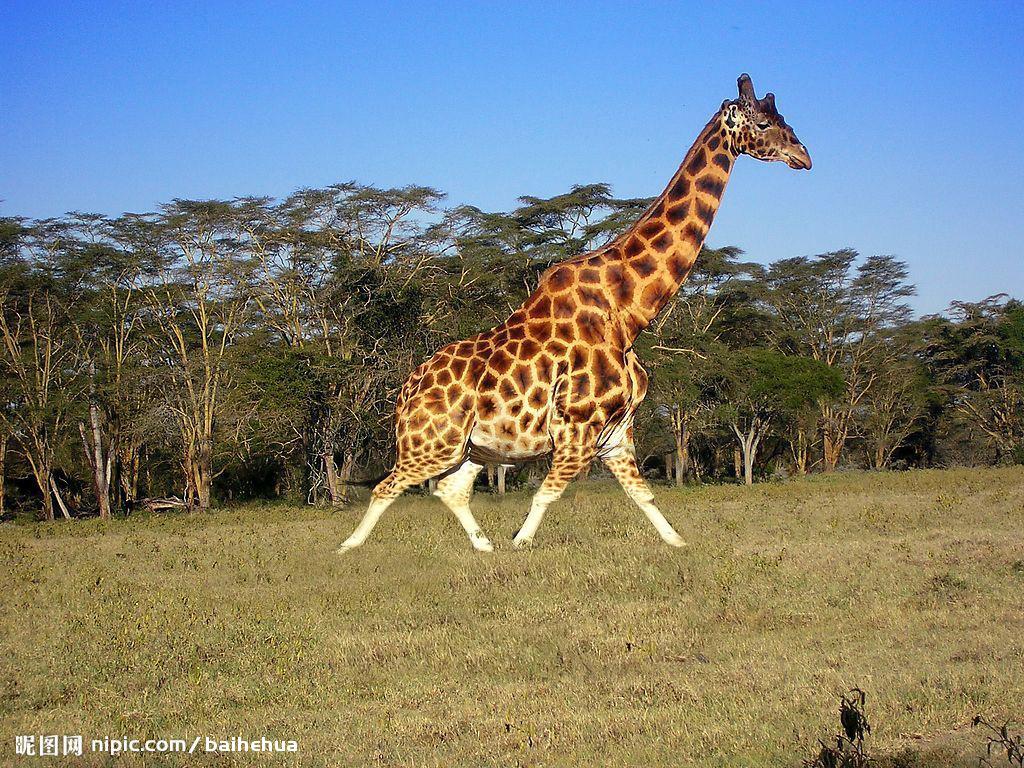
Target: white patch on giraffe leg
[373, 513]
[476, 536]
[661, 525]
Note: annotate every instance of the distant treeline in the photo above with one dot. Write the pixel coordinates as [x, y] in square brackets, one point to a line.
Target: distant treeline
[220, 350]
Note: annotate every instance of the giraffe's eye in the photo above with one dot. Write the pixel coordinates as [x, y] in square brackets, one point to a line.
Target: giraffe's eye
[763, 126]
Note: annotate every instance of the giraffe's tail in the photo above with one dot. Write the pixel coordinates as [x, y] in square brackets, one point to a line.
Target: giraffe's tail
[370, 482]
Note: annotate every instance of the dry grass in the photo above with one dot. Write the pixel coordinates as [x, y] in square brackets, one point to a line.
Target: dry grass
[601, 646]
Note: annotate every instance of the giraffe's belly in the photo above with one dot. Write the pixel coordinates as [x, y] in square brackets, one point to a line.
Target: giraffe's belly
[491, 444]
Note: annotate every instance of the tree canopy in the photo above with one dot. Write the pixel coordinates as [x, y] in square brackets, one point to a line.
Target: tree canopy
[220, 349]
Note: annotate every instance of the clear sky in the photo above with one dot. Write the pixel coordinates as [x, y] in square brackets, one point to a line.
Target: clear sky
[913, 112]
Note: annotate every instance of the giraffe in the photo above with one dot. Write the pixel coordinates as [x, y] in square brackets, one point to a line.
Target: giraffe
[560, 376]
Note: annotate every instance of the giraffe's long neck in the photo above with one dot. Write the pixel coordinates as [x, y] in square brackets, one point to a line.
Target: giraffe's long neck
[660, 249]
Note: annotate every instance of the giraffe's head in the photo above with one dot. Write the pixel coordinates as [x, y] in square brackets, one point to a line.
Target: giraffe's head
[757, 129]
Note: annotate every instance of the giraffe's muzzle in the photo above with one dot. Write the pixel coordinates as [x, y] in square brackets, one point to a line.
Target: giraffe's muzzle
[798, 157]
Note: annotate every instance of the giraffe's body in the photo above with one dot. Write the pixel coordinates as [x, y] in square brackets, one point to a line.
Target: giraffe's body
[560, 376]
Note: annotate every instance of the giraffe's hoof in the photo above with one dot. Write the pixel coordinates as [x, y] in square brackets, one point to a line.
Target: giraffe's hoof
[483, 545]
[675, 540]
[345, 548]
[522, 542]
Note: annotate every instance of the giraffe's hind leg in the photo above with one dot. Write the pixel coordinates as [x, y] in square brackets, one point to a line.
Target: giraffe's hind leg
[455, 491]
[410, 469]
[622, 463]
[387, 490]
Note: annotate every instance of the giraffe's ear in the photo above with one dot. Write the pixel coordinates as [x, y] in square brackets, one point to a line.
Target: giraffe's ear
[746, 88]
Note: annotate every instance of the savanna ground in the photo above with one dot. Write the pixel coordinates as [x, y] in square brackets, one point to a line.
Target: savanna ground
[601, 646]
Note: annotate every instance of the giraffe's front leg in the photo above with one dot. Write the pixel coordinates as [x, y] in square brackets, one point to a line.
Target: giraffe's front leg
[622, 463]
[567, 461]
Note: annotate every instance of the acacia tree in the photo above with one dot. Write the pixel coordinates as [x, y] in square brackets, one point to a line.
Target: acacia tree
[683, 343]
[579, 220]
[679, 386]
[75, 261]
[40, 360]
[340, 280]
[291, 243]
[128, 256]
[978, 357]
[97, 277]
[894, 407]
[498, 256]
[839, 315]
[12, 233]
[800, 432]
[198, 304]
[386, 248]
[762, 387]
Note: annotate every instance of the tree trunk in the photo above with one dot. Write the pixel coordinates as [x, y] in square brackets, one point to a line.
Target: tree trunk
[60, 501]
[669, 461]
[348, 464]
[3, 467]
[130, 474]
[831, 450]
[737, 464]
[94, 458]
[126, 450]
[188, 469]
[204, 474]
[501, 479]
[883, 453]
[748, 443]
[100, 468]
[835, 430]
[131, 490]
[800, 451]
[682, 455]
[41, 473]
[681, 433]
[97, 463]
[490, 476]
[331, 470]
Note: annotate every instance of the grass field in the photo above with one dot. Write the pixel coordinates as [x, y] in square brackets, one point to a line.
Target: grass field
[601, 646]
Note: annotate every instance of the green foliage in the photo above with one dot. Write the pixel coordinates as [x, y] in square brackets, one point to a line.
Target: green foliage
[977, 360]
[776, 383]
[262, 342]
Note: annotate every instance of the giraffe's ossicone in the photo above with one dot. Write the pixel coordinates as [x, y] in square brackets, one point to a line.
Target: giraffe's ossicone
[560, 376]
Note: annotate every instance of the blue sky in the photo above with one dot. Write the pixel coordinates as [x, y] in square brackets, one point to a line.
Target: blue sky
[913, 113]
